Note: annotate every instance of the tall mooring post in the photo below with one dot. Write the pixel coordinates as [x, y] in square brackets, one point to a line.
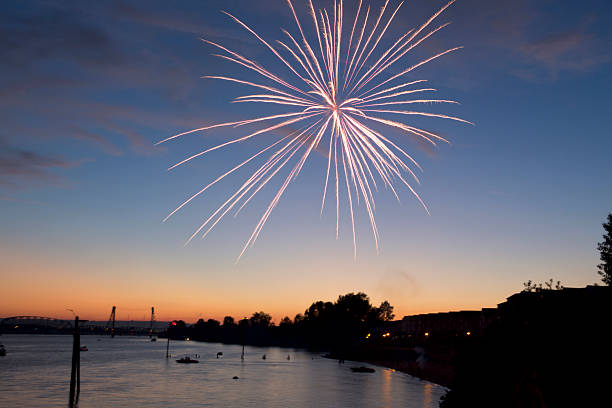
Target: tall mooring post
[75, 372]
[168, 343]
[152, 321]
[111, 322]
[172, 323]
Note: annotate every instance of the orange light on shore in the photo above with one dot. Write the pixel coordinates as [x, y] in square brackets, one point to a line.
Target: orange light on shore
[426, 334]
[468, 333]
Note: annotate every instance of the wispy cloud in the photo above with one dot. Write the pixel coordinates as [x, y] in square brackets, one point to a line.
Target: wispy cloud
[50, 34]
[96, 138]
[175, 21]
[397, 284]
[20, 168]
[60, 64]
[138, 142]
[532, 40]
[572, 51]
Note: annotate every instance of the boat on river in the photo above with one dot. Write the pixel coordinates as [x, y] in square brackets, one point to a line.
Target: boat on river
[362, 370]
[84, 348]
[2, 350]
[187, 360]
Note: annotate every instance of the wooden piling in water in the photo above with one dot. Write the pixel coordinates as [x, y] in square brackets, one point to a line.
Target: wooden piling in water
[76, 363]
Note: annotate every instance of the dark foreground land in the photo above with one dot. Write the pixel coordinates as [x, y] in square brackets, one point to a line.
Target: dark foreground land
[546, 348]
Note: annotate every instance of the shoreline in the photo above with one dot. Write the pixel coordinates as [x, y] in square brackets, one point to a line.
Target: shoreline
[433, 368]
[441, 376]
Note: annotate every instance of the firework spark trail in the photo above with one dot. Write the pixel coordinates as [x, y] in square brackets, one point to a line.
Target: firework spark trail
[330, 100]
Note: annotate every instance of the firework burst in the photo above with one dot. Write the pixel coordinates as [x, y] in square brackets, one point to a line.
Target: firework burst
[340, 87]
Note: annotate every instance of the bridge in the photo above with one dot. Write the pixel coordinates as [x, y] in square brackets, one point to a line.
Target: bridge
[35, 324]
[51, 325]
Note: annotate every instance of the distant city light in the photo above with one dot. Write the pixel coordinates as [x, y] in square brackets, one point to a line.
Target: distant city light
[426, 334]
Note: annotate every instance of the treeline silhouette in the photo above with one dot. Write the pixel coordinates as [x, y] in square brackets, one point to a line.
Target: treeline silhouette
[324, 325]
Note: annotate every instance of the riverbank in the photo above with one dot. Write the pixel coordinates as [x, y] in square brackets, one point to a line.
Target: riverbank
[430, 365]
[436, 373]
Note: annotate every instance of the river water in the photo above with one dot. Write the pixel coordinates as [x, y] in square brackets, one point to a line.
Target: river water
[133, 372]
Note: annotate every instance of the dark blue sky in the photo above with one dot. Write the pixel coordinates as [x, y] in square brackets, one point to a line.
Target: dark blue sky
[88, 87]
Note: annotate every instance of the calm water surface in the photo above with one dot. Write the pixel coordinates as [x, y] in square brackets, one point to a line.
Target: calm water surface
[133, 372]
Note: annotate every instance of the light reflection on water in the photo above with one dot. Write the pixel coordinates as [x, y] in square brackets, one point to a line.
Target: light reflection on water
[132, 371]
[386, 388]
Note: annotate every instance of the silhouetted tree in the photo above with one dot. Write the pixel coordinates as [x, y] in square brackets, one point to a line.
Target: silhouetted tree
[177, 329]
[605, 253]
[261, 319]
[319, 311]
[353, 306]
[334, 326]
[530, 286]
[385, 312]
[285, 322]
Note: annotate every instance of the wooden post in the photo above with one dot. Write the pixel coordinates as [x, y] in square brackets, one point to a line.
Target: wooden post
[78, 367]
[168, 346]
[74, 371]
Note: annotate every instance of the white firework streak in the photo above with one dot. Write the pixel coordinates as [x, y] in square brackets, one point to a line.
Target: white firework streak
[329, 99]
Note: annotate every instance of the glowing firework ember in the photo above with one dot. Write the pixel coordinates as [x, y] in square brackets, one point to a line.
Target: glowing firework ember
[339, 90]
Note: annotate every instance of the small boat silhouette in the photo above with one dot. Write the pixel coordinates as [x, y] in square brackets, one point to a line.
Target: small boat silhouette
[83, 348]
[362, 369]
[2, 350]
[187, 360]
